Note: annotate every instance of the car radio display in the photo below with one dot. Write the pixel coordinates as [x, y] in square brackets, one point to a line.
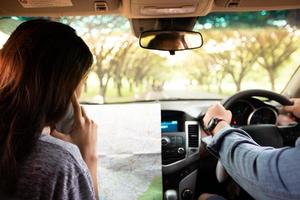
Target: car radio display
[169, 126]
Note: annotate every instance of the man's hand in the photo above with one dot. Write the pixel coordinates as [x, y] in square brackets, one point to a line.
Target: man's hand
[218, 111]
[285, 119]
[294, 109]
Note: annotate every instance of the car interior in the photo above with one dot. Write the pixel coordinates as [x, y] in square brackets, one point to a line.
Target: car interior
[188, 168]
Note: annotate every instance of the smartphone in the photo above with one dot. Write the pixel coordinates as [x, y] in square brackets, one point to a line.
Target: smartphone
[66, 123]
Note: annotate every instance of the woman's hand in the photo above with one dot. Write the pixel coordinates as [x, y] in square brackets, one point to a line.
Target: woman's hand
[83, 132]
[218, 111]
[84, 135]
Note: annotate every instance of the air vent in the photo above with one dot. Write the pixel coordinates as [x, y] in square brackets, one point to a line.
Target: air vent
[101, 6]
[233, 3]
[193, 134]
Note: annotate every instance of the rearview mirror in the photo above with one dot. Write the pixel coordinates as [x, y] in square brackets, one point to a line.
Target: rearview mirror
[171, 40]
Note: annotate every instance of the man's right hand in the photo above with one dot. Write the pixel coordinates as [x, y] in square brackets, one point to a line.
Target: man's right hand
[293, 109]
[217, 110]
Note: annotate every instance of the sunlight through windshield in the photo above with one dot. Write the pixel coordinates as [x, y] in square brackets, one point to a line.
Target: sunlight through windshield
[257, 50]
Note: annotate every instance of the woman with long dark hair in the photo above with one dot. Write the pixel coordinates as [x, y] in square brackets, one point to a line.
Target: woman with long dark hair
[41, 66]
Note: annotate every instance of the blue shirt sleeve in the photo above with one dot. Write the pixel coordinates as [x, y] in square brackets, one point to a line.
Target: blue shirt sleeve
[264, 172]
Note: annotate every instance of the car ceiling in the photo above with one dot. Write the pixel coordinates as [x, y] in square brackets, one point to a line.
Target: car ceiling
[138, 8]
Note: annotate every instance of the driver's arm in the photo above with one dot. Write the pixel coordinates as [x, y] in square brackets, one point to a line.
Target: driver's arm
[264, 172]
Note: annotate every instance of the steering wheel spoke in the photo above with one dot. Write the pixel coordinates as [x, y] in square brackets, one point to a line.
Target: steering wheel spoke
[265, 134]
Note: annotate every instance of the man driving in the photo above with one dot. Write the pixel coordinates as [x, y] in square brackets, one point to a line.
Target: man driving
[264, 172]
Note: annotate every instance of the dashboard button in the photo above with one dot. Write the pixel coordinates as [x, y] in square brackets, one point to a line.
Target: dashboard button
[165, 141]
[179, 140]
[180, 151]
[173, 140]
[187, 194]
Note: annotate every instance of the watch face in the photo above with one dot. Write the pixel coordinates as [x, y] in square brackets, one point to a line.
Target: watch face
[211, 123]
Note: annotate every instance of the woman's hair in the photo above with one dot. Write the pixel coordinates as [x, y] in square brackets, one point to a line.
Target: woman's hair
[41, 65]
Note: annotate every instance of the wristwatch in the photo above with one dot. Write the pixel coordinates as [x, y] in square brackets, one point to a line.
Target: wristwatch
[213, 122]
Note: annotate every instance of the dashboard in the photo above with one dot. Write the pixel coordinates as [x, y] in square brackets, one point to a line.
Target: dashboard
[181, 131]
[180, 136]
[181, 141]
[252, 111]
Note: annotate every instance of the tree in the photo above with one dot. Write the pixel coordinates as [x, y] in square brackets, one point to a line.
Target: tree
[117, 57]
[146, 67]
[200, 69]
[102, 34]
[276, 47]
[119, 63]
[237, 53]
[250, 19]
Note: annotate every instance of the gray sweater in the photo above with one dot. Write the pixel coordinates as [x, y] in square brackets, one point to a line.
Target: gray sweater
[54, 170]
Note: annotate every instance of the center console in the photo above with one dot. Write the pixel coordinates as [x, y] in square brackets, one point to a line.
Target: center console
[180, 148]
[180, 137]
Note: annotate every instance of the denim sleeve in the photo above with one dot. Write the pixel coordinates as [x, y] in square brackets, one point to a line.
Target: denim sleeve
[264, 172]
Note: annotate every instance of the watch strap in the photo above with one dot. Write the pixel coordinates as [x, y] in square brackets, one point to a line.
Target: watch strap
[213, 122]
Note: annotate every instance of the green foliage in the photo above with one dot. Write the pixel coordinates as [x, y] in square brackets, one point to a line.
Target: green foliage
[154, 192]
[8, 25]
[250, 51]
[120, 64]
[250, 19]
[252, 48]
[240, 53]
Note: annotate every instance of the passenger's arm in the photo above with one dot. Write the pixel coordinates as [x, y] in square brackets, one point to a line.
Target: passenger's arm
[91, 162]
[84, 135]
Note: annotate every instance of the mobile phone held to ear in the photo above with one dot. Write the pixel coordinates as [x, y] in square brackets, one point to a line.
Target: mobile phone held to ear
[66, 123]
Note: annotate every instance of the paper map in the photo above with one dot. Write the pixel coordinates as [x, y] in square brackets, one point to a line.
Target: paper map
[129, 150]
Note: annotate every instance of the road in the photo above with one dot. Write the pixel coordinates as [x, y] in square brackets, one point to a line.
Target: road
[178, 94]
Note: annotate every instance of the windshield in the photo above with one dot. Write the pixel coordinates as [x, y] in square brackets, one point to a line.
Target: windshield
[251, 50]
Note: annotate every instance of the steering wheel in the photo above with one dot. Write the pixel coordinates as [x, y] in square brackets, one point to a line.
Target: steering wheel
[263, 134]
